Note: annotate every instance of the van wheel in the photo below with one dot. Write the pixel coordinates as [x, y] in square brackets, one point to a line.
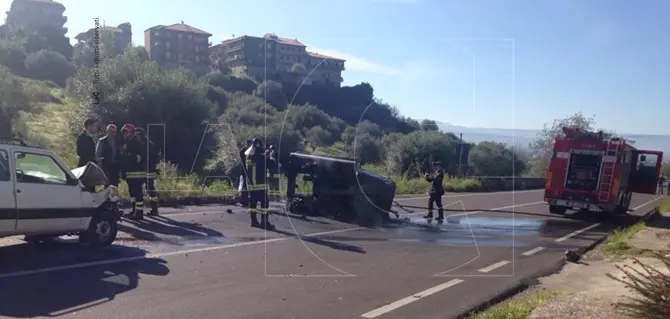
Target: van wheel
[101, 231]
[557, 210]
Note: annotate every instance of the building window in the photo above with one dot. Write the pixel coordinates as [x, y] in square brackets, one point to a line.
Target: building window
[167, 44]
[156, 43]
[197, 59]
[190, 36]
[168, 55]
[179, 35]
[181, 55]
[157, 33]
[197, 48]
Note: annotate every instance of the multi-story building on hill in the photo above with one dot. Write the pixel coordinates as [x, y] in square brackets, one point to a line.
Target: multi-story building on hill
[273, 57]
[123, 36]
[179, 45]
[34, 14]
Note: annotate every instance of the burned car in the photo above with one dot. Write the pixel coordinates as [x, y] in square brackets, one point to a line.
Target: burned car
[340, 189]
[41, 198]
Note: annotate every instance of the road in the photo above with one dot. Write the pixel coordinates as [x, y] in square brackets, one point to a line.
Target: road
[201, 262]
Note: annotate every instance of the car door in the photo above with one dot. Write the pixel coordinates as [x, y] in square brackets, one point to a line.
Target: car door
[645, 171]
[7, 195]
[48, 199]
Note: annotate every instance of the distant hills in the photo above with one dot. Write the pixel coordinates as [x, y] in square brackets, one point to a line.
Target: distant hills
[522, 138]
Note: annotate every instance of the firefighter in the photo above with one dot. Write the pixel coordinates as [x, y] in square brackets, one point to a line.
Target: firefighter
[133, 167]
[273, 173]
[436, 191]
[256, 176]
[153, 157]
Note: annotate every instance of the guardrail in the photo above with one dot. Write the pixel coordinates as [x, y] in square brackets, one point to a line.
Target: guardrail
[510, 182]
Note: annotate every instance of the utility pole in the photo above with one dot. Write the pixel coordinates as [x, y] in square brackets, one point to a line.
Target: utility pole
[460, 154]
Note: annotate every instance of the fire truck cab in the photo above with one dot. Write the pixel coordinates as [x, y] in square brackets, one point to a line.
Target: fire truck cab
[590, 171]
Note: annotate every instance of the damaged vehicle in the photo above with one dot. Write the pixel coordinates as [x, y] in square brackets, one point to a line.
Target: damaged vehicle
[42, 199]
[340, 188]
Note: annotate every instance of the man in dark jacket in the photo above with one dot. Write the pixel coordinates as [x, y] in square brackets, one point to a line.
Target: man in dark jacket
[107, 155]
[436, 191]
[86, 143]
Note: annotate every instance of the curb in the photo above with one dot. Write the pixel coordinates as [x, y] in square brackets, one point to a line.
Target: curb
[534, 279]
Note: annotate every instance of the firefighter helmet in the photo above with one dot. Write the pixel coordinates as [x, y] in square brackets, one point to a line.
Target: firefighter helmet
[128, 130]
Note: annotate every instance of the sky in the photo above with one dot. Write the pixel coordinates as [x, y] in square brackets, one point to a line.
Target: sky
[514, 64]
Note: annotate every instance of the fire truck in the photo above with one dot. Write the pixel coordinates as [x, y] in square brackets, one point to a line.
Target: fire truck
[593, 171]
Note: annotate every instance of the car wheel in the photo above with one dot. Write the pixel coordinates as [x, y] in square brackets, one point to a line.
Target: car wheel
[101, 231]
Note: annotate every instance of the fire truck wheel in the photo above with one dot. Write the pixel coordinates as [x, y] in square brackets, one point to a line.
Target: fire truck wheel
[558, 210]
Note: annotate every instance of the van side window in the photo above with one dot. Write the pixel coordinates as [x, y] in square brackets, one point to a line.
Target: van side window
[38, 169]
[4, 166]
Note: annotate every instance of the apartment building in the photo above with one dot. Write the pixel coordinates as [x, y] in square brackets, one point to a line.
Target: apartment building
[36, 14]
[179, 45]
[274, 57]
[123, 36]
[248, 55]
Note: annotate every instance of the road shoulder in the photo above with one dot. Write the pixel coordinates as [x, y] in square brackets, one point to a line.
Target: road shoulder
[593, 285]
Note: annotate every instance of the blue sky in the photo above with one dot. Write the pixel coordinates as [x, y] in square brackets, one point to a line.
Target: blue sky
[499, 64]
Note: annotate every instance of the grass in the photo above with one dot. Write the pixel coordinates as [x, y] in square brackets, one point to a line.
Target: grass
[516, 308]
[617, 244]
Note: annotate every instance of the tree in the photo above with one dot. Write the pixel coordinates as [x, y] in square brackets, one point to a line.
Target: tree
[299, 69]
[318, 137]
[13, 55]
[541, 149]
[49, 65]
[132, 90]
[418, 149]
[273, 93]
[494, 159]
[13, 100]
[367, 149]
[429, 125]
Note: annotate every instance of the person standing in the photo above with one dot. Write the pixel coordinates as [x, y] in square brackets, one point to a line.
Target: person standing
[256, 177]
[436, 192]
[133, 167]
[107, 153]
[86, 143]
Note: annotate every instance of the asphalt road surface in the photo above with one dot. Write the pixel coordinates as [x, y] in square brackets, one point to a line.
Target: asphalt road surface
[201, 262]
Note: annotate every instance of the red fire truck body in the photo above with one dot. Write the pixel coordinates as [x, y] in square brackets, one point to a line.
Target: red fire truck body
[591, 172]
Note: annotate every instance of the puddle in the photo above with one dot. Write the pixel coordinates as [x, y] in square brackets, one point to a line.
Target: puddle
[477, 225]
[465, 242]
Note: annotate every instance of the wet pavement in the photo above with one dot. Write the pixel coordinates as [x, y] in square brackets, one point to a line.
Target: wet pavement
[201, 262]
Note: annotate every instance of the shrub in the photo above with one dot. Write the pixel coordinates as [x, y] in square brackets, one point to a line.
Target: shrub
[652, 288]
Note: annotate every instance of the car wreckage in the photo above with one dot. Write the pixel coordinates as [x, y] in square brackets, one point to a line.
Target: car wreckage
[340, 189]
[42, 199]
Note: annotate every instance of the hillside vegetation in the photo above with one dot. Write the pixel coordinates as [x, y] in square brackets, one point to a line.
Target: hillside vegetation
[204, 120]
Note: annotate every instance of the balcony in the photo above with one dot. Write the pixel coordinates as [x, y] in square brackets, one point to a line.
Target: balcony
[64, 19]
